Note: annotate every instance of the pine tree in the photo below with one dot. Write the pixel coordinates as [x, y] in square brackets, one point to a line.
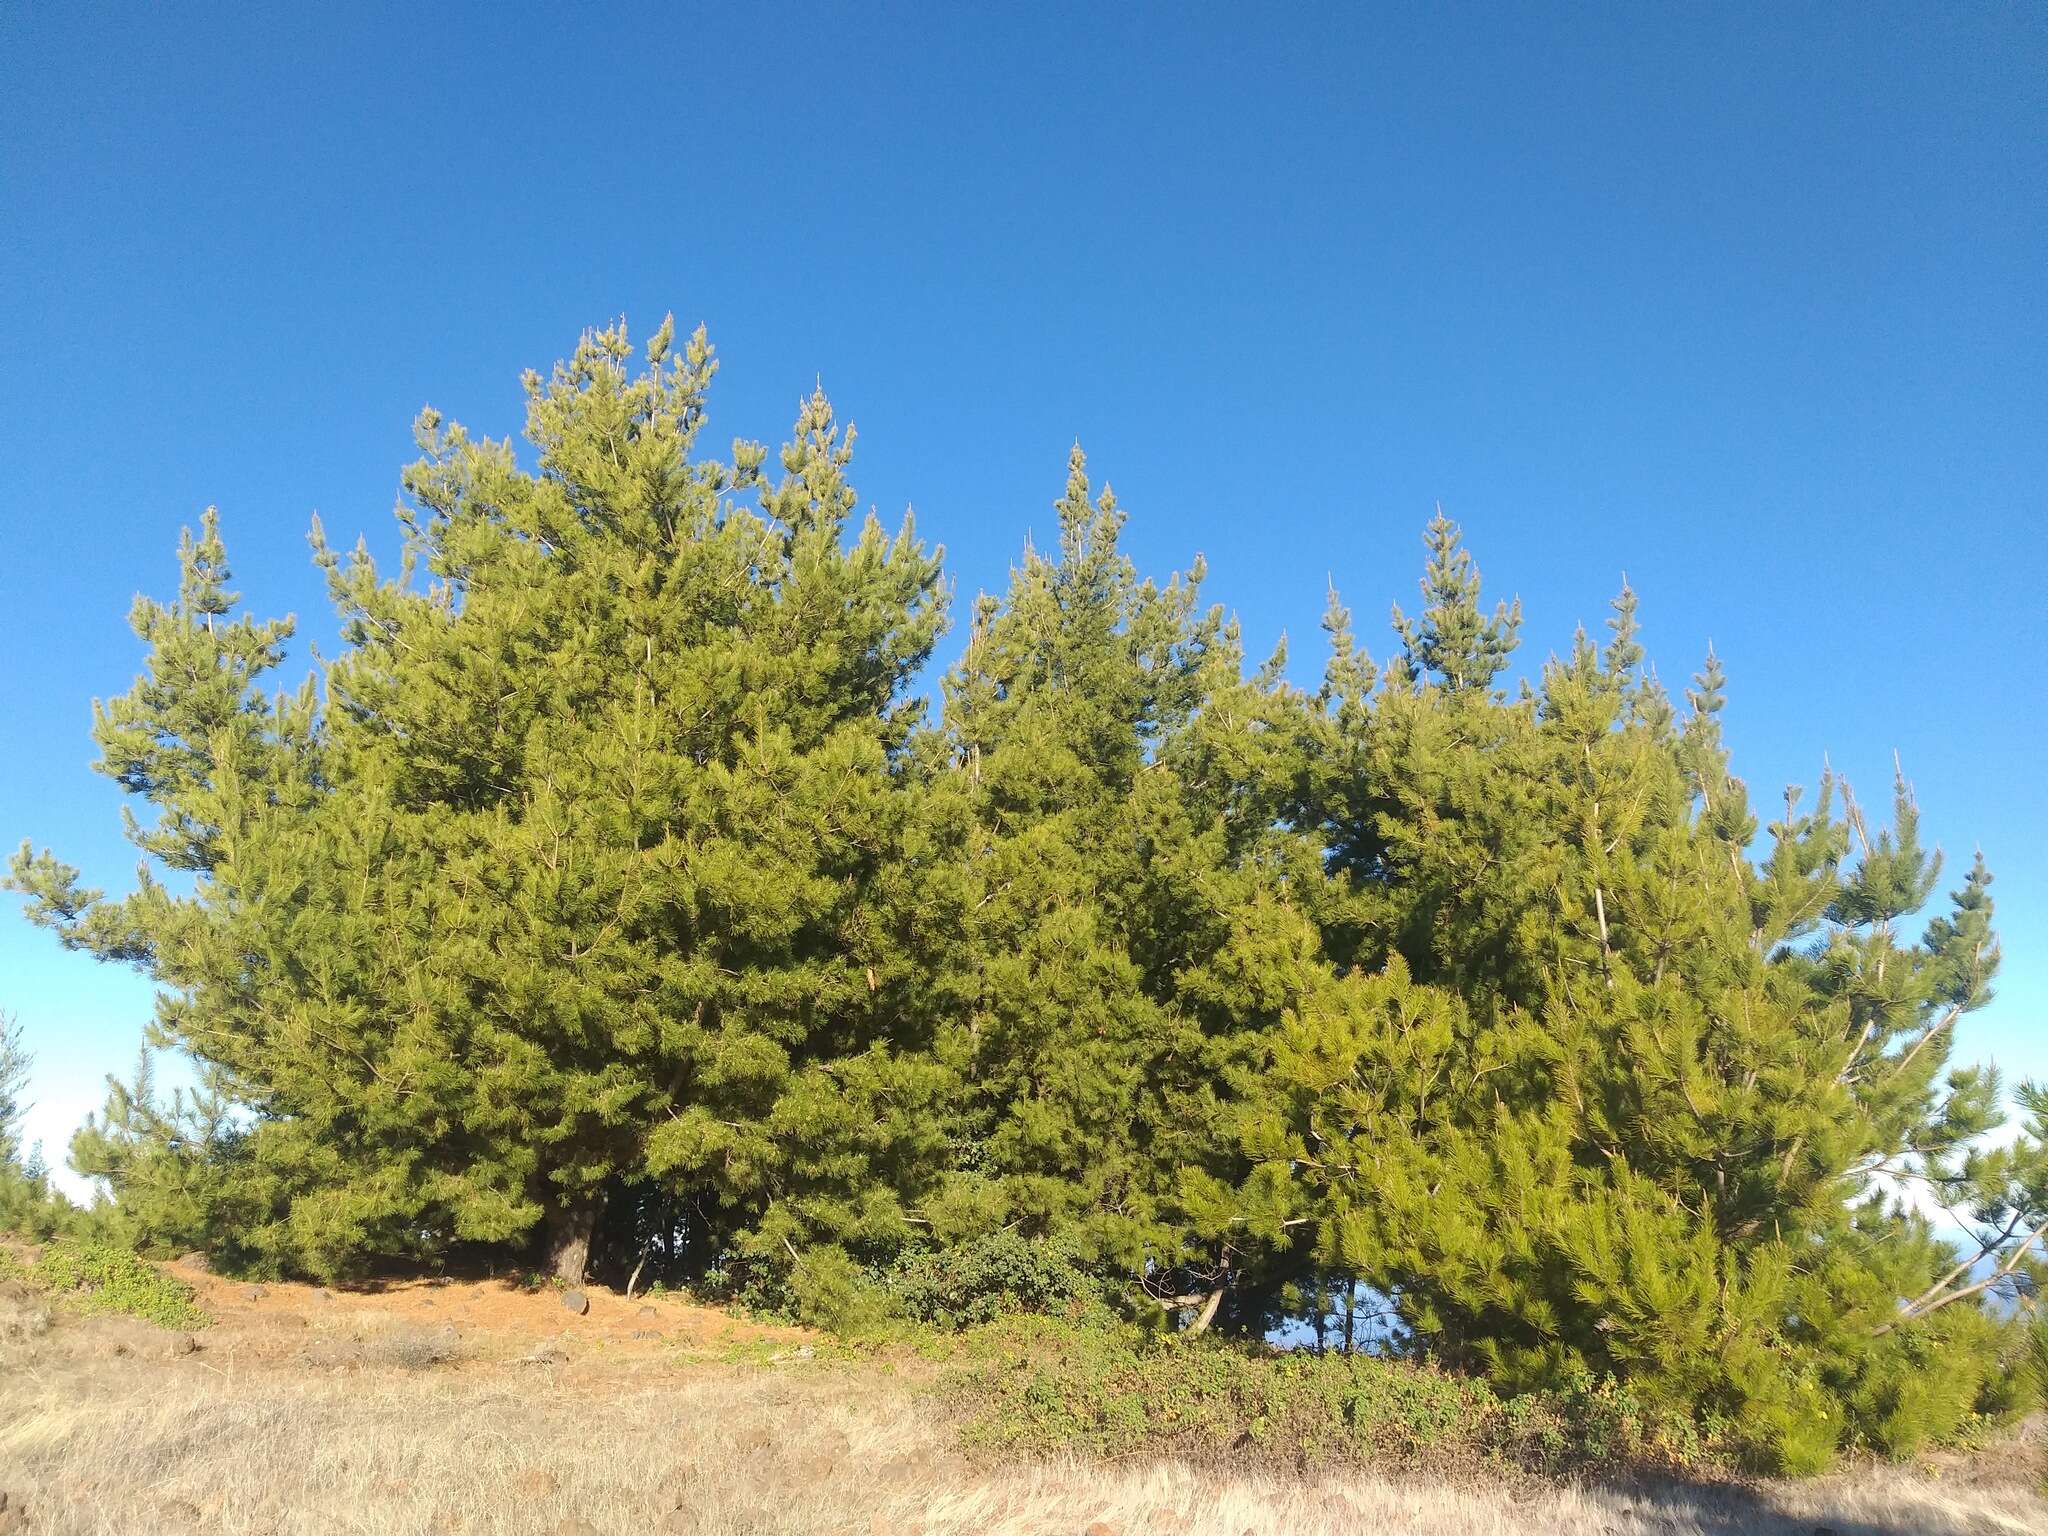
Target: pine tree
[1600, 1093]
[1452, 640]
[1063, 692]
[29, 1206]
[609, 897]
[593, 862]
[14, 1065]
[1125, 778]
[177, 1170]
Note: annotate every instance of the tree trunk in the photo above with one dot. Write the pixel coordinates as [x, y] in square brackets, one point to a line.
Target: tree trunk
[570, 1227]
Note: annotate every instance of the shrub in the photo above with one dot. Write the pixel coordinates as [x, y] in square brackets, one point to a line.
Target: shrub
[96, 1277]
[828, 1290]
[1035, 1385]
[992, 1277]
[1964, 1376]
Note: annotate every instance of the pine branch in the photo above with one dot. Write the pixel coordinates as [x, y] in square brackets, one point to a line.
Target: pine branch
[1955, 1012]
[1933, 1299]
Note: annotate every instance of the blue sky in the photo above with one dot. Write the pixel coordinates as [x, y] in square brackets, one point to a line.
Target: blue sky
[1748, 302]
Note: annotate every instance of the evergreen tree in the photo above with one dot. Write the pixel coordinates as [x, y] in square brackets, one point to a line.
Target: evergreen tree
[1453, 641]
[29, 1205]
[597, 859]
[608, 895]
[1124, 777]
[176, 1171]
[14, 1065]
[1600, 1093]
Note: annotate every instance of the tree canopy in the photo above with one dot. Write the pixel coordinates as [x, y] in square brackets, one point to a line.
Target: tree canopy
[610, 897]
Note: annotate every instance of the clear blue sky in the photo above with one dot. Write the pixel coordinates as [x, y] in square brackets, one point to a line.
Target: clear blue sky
[1750, 302]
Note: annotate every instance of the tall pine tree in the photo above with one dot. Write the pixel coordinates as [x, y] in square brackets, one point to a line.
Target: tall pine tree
[1601, 1092]
[1131, 926]
[591, 862]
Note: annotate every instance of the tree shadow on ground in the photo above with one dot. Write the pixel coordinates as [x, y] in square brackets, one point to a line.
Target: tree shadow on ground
[1871, 1502]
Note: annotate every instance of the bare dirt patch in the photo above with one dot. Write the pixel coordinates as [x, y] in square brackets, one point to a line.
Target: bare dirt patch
[488, 1319]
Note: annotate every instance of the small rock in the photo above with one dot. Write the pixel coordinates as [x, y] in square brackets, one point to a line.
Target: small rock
[645, 1333]
[195, 1260]
[576, 1302]
[181, 1344]
[649, 1311]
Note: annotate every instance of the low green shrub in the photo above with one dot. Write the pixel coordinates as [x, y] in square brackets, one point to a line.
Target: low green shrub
[1035, 1385]
[97, 1277]
[828, 1290]
[919, 1296]
[992, 1277]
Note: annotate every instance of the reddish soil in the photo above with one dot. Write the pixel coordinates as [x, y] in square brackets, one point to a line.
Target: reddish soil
[490, 1317]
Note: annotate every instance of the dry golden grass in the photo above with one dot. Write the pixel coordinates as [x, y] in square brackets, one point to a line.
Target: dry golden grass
[400, 1436]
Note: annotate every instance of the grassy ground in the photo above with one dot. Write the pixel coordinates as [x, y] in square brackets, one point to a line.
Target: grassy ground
[486, 1409]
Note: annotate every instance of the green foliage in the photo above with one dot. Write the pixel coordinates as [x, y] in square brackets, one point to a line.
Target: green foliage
[180, 1172]
[30, 1206]
[609, 893]
[986, 1278]
[1601, 1094]
[98, 1277]
[1452, 640]
[1043, 1386]
[14, 1065]
[1133, 938]
[828, 1290]
[598, 853]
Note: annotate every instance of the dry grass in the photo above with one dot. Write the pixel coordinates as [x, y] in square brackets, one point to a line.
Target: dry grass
[399, 1437]
[23, 1320]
